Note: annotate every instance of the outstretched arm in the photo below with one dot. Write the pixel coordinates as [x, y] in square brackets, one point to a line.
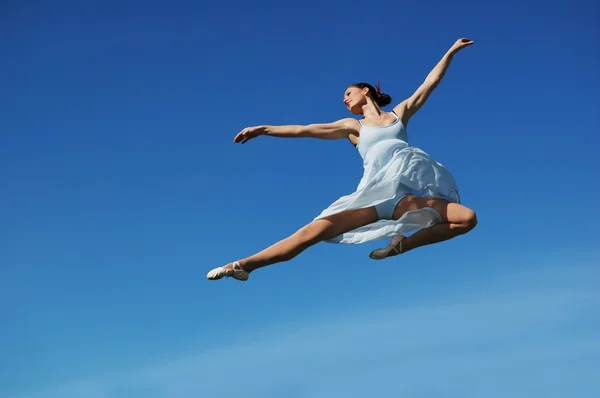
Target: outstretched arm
[407, 108]
[327, 131]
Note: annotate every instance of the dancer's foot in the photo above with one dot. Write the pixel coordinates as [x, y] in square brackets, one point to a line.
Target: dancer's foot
[393, 249]
[233, 270]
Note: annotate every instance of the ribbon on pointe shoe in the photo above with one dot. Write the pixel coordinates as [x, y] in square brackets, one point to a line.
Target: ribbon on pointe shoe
[380, 254]
[236, 272]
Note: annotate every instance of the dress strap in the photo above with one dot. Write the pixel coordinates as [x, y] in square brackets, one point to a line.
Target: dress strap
[394, 113]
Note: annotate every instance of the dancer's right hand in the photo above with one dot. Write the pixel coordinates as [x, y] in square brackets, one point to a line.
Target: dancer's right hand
[248, 133]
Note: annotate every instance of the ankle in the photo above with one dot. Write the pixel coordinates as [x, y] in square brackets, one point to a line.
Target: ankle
[399, 243]
[405, 244]
[244, 265]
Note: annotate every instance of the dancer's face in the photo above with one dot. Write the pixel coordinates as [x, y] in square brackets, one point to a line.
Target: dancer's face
[355, 98]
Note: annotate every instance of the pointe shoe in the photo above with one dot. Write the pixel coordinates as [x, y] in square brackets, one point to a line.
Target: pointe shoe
[388, 251]
[235, 272]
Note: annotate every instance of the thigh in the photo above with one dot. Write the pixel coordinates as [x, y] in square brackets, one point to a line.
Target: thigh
[450, 211]
[334, 225]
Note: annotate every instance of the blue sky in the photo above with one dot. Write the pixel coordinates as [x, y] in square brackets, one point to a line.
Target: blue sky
[121, 188]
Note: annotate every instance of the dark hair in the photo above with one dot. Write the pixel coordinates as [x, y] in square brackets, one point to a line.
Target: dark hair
[380, 98]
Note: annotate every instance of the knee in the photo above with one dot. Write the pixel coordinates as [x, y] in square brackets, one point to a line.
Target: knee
[466, 222]
[308, 235]
[470, 220]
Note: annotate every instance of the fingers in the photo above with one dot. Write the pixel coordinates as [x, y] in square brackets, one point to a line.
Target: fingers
[239, 137]
[462, 43]
[243, 136]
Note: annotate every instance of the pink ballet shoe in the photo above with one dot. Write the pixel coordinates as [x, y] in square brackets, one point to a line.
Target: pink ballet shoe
[393, 249]
[236, 272]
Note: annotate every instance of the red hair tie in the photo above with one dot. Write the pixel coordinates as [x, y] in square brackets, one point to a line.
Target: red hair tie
[378, 88]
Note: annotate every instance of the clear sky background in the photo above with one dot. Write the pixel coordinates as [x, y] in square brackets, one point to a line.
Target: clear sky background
[121, 188]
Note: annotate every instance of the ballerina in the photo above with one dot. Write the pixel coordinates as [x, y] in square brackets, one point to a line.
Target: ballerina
[402, 190]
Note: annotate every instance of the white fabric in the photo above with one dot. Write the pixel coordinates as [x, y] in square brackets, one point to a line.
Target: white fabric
[393, 169]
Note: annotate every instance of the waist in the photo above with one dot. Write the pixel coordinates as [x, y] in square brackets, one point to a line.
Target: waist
[384, 148]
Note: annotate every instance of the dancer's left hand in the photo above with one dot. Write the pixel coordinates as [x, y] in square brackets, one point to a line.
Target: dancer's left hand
[460, 44]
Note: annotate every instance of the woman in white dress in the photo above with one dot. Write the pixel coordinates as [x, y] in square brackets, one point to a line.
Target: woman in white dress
[402, 190]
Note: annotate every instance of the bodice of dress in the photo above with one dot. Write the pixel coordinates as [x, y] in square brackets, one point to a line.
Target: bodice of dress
[393, 169]
[371, 136]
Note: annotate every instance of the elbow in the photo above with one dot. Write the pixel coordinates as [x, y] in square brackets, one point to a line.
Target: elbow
[303, 131]
[433, 81]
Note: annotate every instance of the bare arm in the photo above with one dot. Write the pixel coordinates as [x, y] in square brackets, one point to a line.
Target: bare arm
[407, 108]
[327, 131]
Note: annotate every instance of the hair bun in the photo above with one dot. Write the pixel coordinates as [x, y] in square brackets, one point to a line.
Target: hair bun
[383, 99]
[376, 95]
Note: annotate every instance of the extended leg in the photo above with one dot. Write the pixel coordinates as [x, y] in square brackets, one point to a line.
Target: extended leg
[288, 248]
[457, 220]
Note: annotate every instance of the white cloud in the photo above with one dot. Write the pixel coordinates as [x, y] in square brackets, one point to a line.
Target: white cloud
[521, 343]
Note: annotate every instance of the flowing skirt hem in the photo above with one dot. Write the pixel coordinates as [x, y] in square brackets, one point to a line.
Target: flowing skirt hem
[409, 171]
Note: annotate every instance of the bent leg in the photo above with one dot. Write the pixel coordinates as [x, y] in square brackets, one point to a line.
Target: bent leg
[317, 231]
[456, 220]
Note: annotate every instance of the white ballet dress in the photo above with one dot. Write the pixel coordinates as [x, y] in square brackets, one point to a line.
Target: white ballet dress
[393, 169]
